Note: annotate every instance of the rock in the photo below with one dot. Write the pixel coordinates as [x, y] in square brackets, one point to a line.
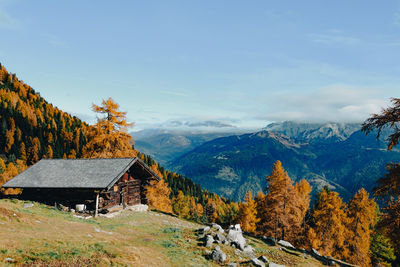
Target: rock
[263, 259]
[82, 217]
[249, 251]
[208, 252]
[232, 264]
[237, 227]
[218, 255]
[209, 241]
[28, 205]
[236, 238]
[269, 240]
[285, 244]
[72, 210]
[225, 242]
[205, 229]
[257, 262]
[315, 252]
[138, 208]
[217, 227]
[220, 237]
[9, 260]
[271, 264]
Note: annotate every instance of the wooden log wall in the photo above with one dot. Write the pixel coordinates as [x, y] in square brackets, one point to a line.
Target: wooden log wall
[127, 191]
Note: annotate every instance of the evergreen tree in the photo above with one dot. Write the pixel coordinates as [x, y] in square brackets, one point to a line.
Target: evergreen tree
[381, 249]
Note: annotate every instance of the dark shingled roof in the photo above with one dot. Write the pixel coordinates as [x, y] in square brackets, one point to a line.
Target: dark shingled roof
[74, 173]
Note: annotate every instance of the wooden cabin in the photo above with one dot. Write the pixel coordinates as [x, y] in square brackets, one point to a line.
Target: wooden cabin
[98, 183]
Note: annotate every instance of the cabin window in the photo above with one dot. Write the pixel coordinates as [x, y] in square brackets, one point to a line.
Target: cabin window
[115, 188]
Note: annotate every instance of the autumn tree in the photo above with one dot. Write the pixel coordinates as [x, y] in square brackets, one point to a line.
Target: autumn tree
[11, 170]
[2, 166]
[248, 214]
[303, 190]
[22, 151]
[361, 213]
[33, 151]
[181, 205]
[10, 135]
[328, 232]
[109, 137]
[388, 187]
[280, 211]
[211, 210]
[158, 193]
[49, 152]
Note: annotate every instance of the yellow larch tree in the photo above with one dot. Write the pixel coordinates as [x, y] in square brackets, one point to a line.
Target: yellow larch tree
[303, 189]
[281, 212]
[158, 193]
[109, 137]
[362, 216]
[248, 214]
[10, 171]
[329, 224]
[181, 205]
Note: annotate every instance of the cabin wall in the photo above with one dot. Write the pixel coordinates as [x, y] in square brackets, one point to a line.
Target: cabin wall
[127, 191]
[66, 196]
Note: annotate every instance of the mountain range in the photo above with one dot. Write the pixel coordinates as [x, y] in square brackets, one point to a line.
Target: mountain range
[165, 145]
[338, 155]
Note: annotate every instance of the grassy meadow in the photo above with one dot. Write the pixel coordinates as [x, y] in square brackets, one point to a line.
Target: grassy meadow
[43, 236]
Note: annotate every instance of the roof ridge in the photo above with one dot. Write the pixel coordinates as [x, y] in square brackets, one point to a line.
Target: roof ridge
[90, 159]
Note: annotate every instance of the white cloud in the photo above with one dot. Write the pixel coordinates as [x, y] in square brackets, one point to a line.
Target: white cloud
[334, 37]
[334, 103]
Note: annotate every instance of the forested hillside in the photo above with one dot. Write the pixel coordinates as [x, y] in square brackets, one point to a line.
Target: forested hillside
[32, 128]
[232, 165]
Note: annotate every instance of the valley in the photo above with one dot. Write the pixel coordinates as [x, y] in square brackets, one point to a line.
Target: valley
[336, 155]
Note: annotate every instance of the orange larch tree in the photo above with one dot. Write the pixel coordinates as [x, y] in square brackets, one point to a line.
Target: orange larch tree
[281, 207]
[109, 137]
[158, 193]
[361, 213]
[248, 214]
[303, 189]
[329, 224]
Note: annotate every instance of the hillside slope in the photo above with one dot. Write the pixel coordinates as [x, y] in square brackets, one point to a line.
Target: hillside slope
[33, 128]
[43, 236]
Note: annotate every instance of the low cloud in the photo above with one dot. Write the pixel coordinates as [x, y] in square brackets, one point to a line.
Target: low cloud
[334, 103]
[213, 124]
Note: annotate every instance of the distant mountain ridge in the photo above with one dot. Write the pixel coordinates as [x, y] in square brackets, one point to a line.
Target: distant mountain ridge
[165, 145]
[345, 159]
[314, 132]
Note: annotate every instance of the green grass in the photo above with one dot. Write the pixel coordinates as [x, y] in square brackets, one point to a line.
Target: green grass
[44, 236]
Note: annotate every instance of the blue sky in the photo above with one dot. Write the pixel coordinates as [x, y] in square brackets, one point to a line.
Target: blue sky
[214, 63]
